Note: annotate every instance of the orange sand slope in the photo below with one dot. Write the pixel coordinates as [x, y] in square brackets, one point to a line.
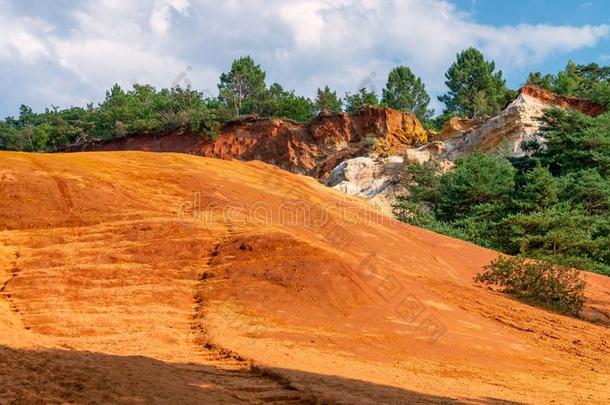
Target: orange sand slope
[137, 277]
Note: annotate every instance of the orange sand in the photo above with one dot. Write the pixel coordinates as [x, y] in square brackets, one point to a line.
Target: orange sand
[136, 277]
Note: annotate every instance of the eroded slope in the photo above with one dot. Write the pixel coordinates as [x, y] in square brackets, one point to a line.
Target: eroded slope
[178, 260]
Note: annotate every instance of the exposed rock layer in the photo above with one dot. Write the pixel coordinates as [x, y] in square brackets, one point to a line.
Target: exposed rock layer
[518, 122]
[375, 178]
[313, 149]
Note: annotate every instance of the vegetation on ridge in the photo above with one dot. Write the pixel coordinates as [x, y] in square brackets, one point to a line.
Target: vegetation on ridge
[553, 204]
[241, 91]
[476, 90]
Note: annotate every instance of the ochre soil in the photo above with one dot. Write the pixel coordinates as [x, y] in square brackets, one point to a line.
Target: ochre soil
[136, 277]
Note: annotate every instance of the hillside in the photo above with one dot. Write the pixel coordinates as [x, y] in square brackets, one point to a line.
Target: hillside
[360, 153]
[138, 277]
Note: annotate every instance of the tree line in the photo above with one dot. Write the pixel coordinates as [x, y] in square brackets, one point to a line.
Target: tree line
[476, 90]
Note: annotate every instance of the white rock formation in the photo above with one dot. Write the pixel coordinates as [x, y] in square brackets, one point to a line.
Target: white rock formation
[377, 179]
[509, 129]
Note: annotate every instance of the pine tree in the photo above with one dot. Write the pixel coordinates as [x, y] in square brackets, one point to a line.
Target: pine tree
[568, 81]
[360, 99]
[539, 190]
[475, 90]
[406, 92]
[241, 89]
[327, 101]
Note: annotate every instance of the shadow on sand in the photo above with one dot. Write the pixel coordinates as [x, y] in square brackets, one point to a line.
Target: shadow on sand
[60, 376]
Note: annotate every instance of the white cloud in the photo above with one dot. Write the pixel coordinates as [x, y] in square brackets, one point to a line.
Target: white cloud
[161, 13]
[22, 37]
[302, 44]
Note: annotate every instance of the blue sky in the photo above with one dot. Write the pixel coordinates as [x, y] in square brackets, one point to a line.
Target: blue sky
[558, 12]
[68, 52]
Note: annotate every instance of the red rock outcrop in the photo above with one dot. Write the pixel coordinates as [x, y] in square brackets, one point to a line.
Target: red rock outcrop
[572, 103]
[313, 149]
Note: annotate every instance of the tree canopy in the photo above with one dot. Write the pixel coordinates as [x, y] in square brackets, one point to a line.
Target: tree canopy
[241, 89]
[553, 204]
[475, 88]
[406, 92]
[327, 101]
[361, 98]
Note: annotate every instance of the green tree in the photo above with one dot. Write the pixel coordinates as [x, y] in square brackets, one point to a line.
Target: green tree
[475, 90]
[575, 141]
[540, 80]
[327, 101]
[295, 107]
[241, 89]
[362, 98]
[278, 102]
[424, 182]
[406, 92]
[539, 190]
[558, 232]
[568, 81]
[589, 189]
[478, 179]
[10, 138]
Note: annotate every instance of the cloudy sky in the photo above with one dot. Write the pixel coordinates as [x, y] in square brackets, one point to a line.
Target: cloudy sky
[67, 52]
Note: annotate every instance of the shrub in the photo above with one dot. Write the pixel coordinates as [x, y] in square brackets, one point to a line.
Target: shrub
[536, 281]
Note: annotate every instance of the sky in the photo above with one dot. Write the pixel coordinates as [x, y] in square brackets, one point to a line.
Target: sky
[65, 52]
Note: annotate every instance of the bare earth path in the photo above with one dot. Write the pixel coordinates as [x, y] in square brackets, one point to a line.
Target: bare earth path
[163, 278]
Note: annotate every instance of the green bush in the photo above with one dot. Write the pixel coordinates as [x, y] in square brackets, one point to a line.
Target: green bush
[538, 282]
[477, 179]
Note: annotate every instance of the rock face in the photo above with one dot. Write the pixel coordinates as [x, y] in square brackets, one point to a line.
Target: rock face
[376, 179]
[313, 149]
[573, 103]
[453, 127]
[360, 154]
[379, 179]
[518, 122]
